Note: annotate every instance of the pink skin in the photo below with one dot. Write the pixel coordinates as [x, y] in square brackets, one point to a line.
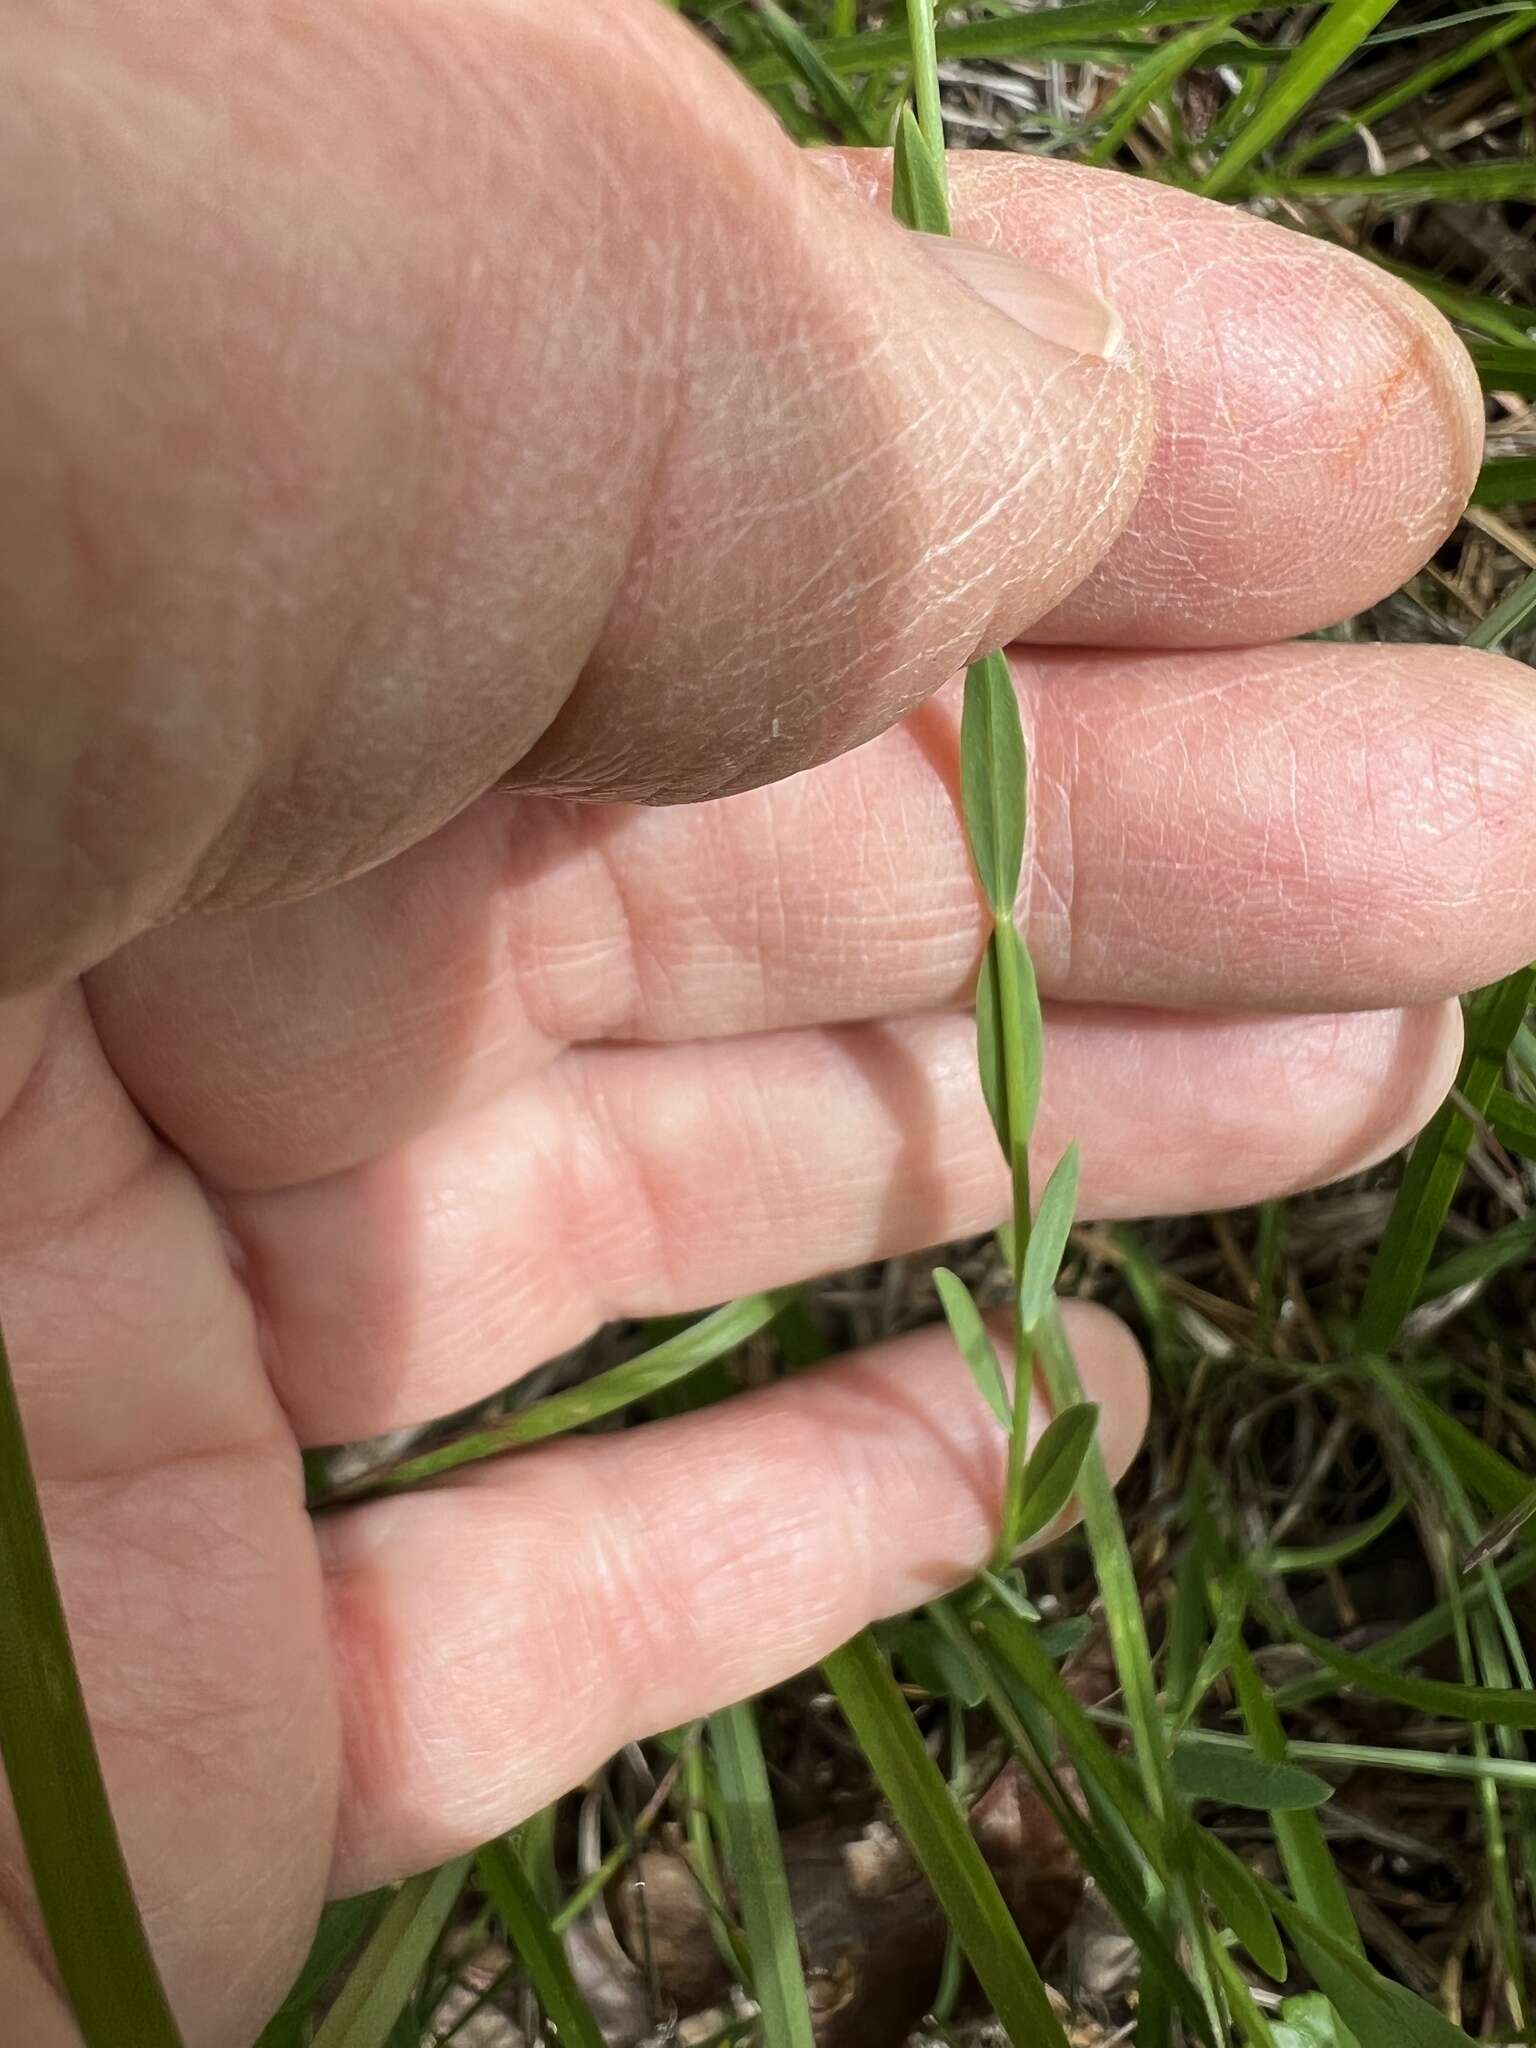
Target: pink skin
[399, 510]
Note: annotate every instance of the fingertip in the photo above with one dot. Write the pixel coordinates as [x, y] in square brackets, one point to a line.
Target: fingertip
[1430, 1038]
[1113, 1370]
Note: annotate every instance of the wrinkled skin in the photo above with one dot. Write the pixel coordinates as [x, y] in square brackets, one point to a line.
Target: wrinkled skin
[389, 453]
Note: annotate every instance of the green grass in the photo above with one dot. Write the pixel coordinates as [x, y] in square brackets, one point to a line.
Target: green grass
[1196, 1688]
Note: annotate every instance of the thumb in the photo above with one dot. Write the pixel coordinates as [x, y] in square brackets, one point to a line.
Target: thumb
[422, 395]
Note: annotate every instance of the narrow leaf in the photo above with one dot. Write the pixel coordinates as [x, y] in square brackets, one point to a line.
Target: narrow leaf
[1503, 366]
[1238, 1777]
[507, 1886]
[1434, 1168]
[919, 197]
[1463, 53]
[1504, 1706]
[1512, 1119]
[1309, 2021]
[1322, 1557]
[1339, 31]
[976, 1348]
[1156, 75]
[1013, 962]
[989, 1048]
[944, 1846]
[342, 1927]
[1303, 1848]
[1114, 1868]
[1048, 1240]
[662, 1366]
[993, 780]
[1054, 1464]
[1485, 1260]
[384, 1975]
[1010, 35]
[1509, 479]
[1379, 2013]
[1234, 1891]
[757, 1863]
[1512, 612]
[49, 1757]
[826, 88]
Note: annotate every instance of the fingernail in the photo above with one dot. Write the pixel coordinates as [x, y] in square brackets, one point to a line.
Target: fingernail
[1050, 306]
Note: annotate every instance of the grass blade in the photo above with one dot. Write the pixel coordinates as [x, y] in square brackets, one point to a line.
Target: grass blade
[1429, 1763]
[1097, 1849]
[1322, 1557]
[1157, 74]
[1410, 1641]
[1316, 59]
[1513, 1121]
[342, 1926]
[1510, 614]
[50, 1760]
[1504, 1706]
[1303, 1850]
[757, 1862]
[1435, 1164]
[1379, 2013]
[927, 1815]
[1460, 57]
[1510, 480]
[1503, 367]
[662, 1366]
[1009, 35]
[384, 1975]
[976, 1347]
[1501, 1249]
[507, 1886]
[1389, 191]
[1117, 1581]
[1051, 1473]
[825, 87]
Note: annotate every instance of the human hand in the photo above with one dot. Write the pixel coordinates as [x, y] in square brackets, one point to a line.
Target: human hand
[391, 451]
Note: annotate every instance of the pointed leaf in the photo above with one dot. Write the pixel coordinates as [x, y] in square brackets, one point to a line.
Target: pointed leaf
[1234, 1891]
[1379, 2013]
[757, 1863]
[383, 1979]
[48, 1754]
[686, 1352]
[1054, 1463]
[1239, 1777]
[930, 1661]
[1310, 2021]
[918, 195]
[993, 780]
[1013, 961]
[342, 1927]
[976, 1347]
[510, 1889]
[927, 1815]
[826, 88]
[989, 1048]
[1048, 1240]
